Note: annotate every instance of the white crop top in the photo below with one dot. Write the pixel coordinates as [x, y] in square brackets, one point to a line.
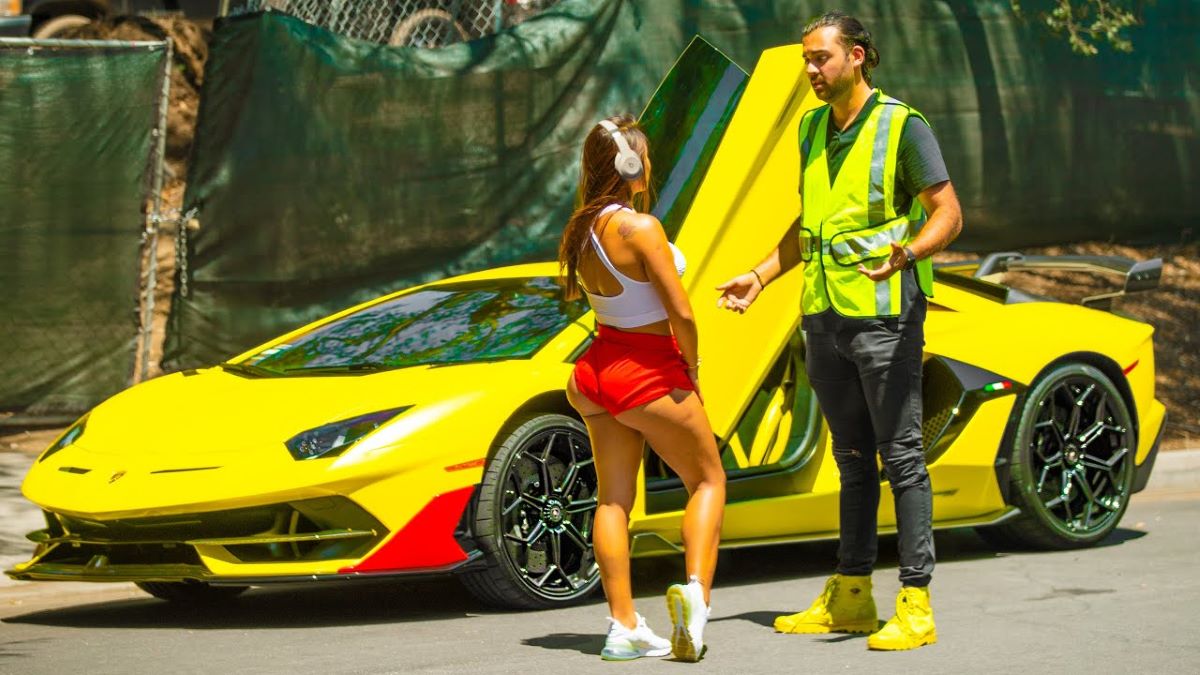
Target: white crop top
[638, 303]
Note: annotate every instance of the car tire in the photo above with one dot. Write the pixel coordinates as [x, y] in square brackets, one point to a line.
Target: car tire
[190, 592]
[1071, 462]
[533, 520]
[52, 28]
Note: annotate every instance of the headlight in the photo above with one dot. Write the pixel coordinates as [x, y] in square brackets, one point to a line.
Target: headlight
[66, 439]
[330, 440]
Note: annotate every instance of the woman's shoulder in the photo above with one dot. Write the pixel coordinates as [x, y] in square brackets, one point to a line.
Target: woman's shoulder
[635, 225]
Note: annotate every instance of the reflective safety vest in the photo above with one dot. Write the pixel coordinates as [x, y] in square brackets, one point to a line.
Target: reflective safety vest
[854, 220]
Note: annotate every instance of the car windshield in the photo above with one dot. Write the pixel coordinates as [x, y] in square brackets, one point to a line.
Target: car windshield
[445, 324]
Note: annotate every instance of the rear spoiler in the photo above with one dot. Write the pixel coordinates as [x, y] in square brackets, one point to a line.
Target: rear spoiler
[1139, 276]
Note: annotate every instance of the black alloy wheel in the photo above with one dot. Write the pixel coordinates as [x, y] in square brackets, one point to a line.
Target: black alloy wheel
[534, 518]
[1072, 461]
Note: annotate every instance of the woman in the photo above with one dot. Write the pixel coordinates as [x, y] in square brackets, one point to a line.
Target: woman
[639, 382]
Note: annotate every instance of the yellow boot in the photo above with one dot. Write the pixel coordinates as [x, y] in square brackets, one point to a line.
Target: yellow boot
[845, 606]
[912, 626]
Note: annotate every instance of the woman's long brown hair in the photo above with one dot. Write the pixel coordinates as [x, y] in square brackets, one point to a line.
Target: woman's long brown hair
[599, 186]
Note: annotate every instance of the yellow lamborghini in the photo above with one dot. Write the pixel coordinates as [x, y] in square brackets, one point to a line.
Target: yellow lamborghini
[427, 432]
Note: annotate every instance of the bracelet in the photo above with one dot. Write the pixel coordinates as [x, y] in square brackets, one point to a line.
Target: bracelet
[690, 366]
[756, 276]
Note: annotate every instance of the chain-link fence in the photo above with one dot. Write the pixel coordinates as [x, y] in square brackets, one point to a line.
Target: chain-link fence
[409, 23]
[82, 124]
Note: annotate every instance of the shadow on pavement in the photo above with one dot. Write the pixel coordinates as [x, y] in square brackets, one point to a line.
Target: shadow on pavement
[1118, 536]
[295, 606]
[843, 637]
[372, 602]
[579, 642]
[762, 617]
[12, 649]
[818, 559]
[766, 619]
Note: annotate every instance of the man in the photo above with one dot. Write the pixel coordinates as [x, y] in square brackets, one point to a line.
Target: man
[870, 172]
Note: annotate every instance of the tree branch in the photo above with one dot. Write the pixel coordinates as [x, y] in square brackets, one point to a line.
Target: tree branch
[1086, 22]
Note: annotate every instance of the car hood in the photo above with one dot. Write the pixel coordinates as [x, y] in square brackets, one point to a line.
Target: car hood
[179, 418]
[212, 439]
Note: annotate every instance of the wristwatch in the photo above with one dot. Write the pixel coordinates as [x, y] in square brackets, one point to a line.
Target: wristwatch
[910, 258]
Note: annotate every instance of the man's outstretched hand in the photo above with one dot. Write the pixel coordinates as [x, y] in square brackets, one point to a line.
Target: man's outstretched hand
[738, 293]
[887, 268]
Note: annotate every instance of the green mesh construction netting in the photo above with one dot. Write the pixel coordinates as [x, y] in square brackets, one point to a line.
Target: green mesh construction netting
[328, 170]
[75, 146]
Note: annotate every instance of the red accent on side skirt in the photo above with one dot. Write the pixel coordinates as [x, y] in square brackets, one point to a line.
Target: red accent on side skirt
[1132, 366]
[426, 541]
[467, 465]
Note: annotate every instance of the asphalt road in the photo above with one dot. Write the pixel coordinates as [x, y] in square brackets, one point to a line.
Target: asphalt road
[1127, 605]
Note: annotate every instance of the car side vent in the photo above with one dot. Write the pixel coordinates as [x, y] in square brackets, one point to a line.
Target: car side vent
[941, 395]
[73, 469]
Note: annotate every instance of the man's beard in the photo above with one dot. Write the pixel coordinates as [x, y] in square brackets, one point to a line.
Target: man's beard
[835, 88]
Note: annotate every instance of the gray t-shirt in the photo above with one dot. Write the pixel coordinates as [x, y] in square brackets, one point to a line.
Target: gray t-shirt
[919, 166]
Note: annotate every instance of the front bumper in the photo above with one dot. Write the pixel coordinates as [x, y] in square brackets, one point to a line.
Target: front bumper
[309, 540]
[37, 571]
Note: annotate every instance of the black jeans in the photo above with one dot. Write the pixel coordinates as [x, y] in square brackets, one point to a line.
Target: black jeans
[867, 378]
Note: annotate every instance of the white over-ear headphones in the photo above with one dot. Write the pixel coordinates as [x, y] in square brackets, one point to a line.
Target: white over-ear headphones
[629, 164]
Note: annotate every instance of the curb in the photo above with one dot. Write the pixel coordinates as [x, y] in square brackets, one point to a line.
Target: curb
[1175, 470]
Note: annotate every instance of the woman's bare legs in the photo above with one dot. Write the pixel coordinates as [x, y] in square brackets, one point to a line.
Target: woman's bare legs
[617, 450]
[677, 428]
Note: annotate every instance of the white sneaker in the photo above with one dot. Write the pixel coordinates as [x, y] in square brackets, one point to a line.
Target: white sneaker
[625, 644]
[689, 614]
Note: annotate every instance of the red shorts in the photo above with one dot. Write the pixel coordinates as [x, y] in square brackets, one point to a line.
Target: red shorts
[623, 370]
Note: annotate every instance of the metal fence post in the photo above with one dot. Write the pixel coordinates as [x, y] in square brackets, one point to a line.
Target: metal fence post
[154, 219]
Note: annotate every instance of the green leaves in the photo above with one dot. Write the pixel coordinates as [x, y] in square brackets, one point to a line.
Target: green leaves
[1085, 22]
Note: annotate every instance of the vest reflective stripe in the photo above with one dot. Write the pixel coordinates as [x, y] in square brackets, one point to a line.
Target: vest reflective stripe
[883, 299]
[853, 247]
[879, 208]
[852, 220]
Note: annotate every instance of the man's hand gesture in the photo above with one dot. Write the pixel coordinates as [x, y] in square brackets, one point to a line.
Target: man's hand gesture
[739, 292]
[895, 262]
